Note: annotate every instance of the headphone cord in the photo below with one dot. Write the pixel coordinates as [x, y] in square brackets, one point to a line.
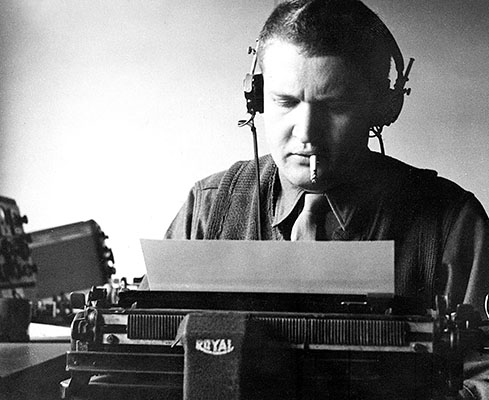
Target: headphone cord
[377, 132]
[251, 123]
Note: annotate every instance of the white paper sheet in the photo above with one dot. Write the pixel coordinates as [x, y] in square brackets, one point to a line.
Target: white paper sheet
[270, 266]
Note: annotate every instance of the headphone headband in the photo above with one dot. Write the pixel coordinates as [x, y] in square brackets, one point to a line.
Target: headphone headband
[388, 108]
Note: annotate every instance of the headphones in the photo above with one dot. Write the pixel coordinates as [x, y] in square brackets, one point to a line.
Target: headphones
[253, 87]
[388, 108]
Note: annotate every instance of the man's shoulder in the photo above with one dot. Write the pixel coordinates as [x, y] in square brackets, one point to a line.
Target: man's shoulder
[210, 182]
[213, 182]
[422, 192]
[423, 179]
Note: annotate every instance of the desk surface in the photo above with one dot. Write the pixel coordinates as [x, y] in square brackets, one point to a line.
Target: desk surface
[17, 357]
[31, 371]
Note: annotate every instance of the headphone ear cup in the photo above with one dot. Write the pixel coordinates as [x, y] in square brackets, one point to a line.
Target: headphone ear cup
[388, 108]
[253, 90]
[258, 92]
[395, 106]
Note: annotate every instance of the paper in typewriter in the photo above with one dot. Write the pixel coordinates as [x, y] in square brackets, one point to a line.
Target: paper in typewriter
[270, 266]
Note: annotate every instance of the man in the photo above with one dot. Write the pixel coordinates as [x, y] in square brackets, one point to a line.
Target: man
[325, 66]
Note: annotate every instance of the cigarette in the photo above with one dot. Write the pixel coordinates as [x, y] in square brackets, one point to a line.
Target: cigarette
[313, 168]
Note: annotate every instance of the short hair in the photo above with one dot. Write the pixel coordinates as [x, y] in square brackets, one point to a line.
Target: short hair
[345, 28]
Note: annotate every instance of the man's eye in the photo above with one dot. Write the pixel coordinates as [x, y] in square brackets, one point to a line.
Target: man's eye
[342, 107]
[285, 103]
[339, 107]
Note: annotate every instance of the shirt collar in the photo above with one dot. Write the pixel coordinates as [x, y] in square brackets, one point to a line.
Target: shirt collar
[287, 199]
[343, 197]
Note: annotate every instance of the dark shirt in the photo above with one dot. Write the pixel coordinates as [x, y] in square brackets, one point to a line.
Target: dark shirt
[465, 253]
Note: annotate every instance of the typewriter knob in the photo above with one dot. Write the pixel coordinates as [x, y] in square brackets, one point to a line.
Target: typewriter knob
[19, 220]
[97, 293]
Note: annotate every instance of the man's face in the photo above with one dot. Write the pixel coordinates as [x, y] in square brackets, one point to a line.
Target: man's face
[313, 105]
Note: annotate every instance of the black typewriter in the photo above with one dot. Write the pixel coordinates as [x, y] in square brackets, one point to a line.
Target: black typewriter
[209, 345]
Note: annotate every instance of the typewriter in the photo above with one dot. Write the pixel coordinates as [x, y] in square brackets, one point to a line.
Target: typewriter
[330, 346]
[267, 345]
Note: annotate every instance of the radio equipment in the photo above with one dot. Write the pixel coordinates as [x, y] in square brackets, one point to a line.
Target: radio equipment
[203, 345]
[71, 257]
[17, 271]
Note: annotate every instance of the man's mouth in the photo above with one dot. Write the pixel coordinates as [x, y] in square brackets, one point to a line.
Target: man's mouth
[301, 156]
[307, 155]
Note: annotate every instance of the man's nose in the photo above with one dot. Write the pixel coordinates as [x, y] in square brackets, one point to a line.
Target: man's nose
[307, 123]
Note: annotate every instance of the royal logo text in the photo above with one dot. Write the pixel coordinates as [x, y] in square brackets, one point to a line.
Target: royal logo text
[216, 347]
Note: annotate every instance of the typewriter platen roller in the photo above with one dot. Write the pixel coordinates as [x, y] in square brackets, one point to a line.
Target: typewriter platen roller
[308, 346]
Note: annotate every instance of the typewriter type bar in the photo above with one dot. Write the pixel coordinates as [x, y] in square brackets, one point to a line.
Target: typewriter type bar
[121, 327]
